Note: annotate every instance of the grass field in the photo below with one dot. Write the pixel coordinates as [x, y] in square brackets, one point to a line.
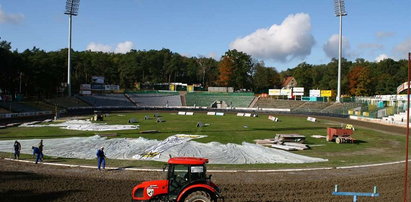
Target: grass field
[371, 147]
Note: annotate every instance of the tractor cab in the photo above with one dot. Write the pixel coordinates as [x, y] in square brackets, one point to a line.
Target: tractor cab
[186, 181]
[180, 175]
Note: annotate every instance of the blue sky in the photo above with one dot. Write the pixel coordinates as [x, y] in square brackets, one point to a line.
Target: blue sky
[282, 33]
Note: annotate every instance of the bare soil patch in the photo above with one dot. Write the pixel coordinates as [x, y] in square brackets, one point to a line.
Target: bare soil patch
[30, 182]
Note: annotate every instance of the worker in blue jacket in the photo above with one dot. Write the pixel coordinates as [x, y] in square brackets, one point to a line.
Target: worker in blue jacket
[17, 148]
[36, 151]
[101, 158]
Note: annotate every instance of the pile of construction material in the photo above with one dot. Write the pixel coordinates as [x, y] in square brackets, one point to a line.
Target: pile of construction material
[288, 142]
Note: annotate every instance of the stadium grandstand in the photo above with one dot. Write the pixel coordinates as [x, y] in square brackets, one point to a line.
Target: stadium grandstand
[106, 100]
[205, 99]
[270, 102]
[17, 107]
[155, 98]
[66, 102]
[385, 109]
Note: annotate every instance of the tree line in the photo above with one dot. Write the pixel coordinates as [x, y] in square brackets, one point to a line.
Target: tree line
[38, 73]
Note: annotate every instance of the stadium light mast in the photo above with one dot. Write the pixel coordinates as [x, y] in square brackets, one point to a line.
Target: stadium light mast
[339, 6]
[71, 9]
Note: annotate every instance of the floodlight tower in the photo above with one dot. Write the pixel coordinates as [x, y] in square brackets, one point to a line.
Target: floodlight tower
[339, 12]
[71, 9]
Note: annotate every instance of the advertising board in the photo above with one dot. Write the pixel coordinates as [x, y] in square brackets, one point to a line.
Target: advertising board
[98, 87]
[315, 93]
[85, 87]
[298, 91]
[274, 92]
[286, 92]
[111, 87]
[97, 79]
[326, 93]
[190, 88]
[85, 92]
[172, 87]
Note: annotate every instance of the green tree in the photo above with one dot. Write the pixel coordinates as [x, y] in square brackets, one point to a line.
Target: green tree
[242, 69]
[304, 75]
[265, 78]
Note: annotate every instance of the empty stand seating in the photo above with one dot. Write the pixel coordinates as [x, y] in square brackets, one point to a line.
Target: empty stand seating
[67, 102]
[156, 99]
[277, 103]
[18, 107]
[106, 100]
[231, 99]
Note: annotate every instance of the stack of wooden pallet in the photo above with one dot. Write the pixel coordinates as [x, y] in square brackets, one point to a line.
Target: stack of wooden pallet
[288, 142]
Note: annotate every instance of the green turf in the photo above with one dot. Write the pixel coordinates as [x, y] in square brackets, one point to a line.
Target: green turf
[371, 147]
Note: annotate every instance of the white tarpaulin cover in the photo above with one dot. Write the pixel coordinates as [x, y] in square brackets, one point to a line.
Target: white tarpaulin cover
[84, 126]
[141, 148]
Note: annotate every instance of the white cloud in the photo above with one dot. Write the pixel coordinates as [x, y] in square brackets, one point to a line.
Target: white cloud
[213, 55]
[124, 47]
[331, 47]
[291, 39]
[402, 49]
[96, 47]
[381, 57]
[10, 18]
[381, 35]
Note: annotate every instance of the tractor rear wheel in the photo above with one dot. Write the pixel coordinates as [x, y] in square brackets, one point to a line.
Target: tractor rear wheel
[198, 196]
[338, 140]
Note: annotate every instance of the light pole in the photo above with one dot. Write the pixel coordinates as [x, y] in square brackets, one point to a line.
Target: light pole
[71, 9]
[20, 83]
[339, 12]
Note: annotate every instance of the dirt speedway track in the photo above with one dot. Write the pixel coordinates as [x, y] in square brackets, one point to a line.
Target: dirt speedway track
[21, 181]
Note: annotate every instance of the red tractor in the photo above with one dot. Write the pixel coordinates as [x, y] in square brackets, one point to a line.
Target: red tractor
[186, 181]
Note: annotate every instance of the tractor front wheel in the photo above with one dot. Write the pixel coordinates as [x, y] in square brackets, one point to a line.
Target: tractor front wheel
[329, 139]
[198, 196]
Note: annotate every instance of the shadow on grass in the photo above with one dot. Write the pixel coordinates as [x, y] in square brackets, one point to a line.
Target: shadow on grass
[360, 142]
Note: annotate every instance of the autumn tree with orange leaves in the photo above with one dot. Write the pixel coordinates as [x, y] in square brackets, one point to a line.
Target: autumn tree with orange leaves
[236, 70]
[359, 81]
[225, 68]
